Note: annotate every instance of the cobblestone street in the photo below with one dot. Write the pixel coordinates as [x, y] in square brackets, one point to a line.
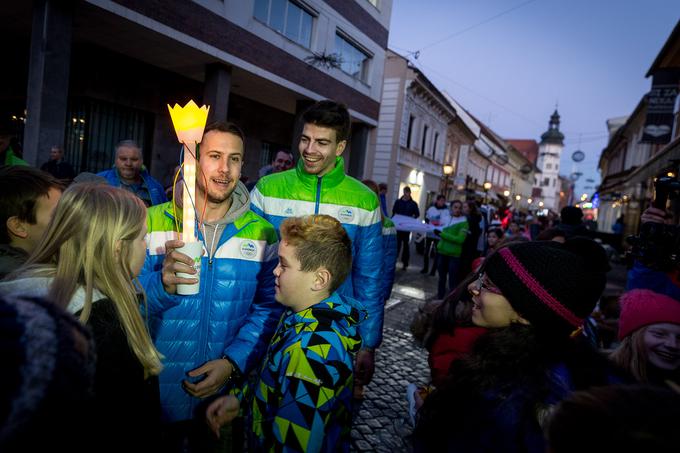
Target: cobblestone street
[380, 422]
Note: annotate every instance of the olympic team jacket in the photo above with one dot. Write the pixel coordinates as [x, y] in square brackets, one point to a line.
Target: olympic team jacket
[297, 193]
[156, 190]
[389, 232]
[234, 314]
[302, 401]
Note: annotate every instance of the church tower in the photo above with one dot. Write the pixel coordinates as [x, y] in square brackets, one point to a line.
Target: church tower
[549, 153]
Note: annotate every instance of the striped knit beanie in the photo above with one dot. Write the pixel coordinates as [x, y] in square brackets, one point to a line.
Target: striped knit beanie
[553, 286]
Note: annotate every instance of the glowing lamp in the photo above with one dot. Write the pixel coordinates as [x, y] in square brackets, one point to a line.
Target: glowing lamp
[189, 123]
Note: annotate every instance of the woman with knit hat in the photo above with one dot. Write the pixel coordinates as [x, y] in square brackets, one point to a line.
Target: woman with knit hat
[649, 331]
[533, 298]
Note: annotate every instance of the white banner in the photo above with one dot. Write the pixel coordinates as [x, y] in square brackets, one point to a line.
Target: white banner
[404, 223]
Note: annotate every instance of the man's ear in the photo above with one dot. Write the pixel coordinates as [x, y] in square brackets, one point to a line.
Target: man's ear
[322, 279]
[16, 227]
[340, 148]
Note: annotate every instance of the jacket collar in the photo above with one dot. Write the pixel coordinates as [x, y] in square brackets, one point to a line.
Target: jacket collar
[330, 179]
[242, 197]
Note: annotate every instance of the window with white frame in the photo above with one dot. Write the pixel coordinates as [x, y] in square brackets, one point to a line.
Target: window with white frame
[434, 146]
[288, 18]
[422, 146]
[409, 137]
[353, 60]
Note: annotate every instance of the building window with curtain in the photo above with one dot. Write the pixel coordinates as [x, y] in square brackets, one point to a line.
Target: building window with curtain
[289, 18]
[353, 60]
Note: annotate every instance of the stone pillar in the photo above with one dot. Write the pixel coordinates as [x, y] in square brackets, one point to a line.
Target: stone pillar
[216, 91]
[48, 78]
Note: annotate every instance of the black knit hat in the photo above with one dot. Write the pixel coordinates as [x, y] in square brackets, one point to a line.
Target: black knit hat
[553, 286]
[48, 365]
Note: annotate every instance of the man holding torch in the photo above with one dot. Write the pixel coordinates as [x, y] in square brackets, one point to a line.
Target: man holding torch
[223, 329]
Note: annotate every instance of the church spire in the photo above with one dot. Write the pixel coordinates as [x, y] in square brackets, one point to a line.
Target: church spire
[553, 134]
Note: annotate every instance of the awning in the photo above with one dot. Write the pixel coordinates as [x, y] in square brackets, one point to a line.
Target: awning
[657, 163]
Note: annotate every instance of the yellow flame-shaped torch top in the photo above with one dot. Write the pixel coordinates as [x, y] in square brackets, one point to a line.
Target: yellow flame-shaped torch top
[189, 121]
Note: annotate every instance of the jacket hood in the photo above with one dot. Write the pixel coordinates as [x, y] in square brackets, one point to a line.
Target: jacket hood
[341, 313]
[240, 203]
[40, 286]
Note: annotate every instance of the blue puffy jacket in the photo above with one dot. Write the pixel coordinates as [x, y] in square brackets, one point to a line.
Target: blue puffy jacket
[156, 190]
[234, 314]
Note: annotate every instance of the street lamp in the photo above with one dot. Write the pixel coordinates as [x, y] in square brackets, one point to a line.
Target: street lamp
[448, 170]
[506, 193]
[487, 185]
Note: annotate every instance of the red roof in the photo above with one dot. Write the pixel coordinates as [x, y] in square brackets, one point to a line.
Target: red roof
[528, 148]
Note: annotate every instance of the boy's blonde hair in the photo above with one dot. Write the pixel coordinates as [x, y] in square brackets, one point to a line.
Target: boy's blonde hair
[320, 241]
[87, 243]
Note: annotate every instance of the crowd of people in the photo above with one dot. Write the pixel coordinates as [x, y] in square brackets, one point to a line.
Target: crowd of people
[280, 341]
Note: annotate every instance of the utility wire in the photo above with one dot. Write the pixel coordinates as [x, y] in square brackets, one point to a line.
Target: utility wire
[485, 21]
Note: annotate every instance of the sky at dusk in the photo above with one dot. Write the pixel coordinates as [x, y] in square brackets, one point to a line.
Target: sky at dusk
[510, 62]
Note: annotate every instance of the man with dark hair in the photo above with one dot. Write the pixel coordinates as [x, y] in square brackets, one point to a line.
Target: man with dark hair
[223, 331]
[319, 185]
[57, 166]
[405, 206]
[29, 197]
[571, 222]
[129, 173]
[282, 161]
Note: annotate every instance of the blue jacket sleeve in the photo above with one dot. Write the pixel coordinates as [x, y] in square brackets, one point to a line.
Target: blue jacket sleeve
[367, 279]
[158, 300]
[253, 338]
[389, 263]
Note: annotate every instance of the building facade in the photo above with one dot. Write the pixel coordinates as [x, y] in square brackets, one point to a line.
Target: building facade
[411, 143]
[100, 71]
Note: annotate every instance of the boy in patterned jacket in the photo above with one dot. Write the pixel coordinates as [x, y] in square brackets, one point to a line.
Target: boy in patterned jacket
[301, 401]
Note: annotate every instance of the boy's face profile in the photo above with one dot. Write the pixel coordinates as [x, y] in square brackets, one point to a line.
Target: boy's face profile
[294, 287]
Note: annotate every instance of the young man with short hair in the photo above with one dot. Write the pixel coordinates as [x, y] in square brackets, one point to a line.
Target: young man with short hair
[319, 185]
[303, 395]
[57, 166]
[29, 197]
[223, 331]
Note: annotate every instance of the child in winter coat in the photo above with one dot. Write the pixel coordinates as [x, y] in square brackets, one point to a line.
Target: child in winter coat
[302, 397]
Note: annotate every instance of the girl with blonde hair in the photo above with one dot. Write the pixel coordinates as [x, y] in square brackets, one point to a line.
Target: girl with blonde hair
[88, 262]
[649, 331]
